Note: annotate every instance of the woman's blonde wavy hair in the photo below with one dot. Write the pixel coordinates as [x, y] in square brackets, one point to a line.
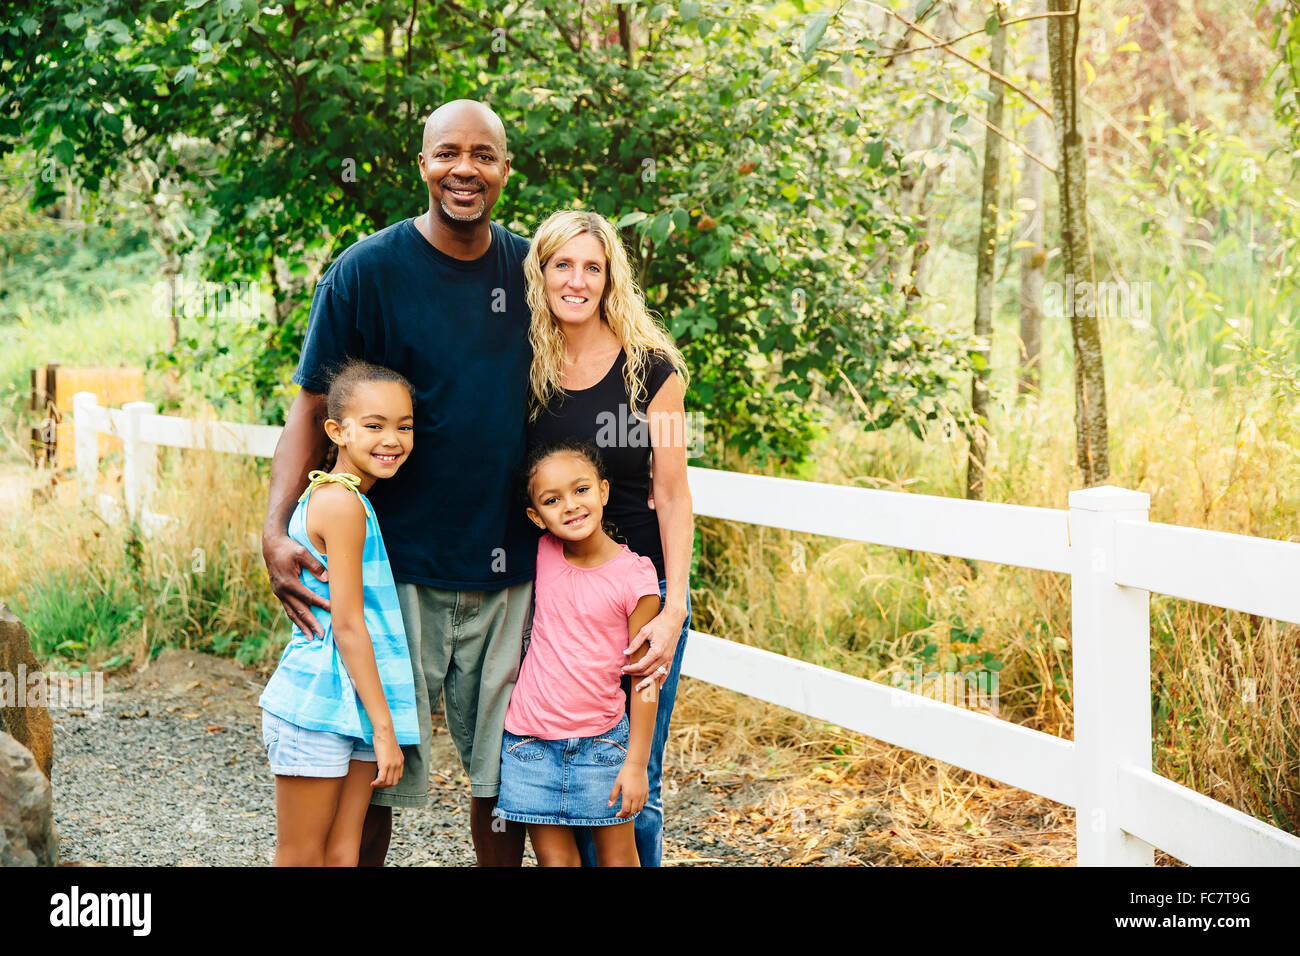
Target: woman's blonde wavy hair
[622, 306]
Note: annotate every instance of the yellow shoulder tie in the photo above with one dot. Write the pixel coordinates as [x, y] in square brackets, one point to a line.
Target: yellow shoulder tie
[317, 478]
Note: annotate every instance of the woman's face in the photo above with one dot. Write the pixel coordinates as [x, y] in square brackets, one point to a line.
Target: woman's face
[575, 279]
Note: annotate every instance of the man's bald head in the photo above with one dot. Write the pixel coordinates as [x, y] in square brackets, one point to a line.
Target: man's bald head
[463, 162]
[458, 113]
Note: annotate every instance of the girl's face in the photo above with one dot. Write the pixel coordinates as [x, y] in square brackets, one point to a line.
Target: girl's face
[377, 430]
[575, 279]
[568, 497]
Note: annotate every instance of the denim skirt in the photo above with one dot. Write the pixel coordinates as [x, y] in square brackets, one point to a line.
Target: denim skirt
[563, 782]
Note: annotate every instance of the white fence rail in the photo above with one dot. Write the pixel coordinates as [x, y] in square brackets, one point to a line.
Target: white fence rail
[1115, 559]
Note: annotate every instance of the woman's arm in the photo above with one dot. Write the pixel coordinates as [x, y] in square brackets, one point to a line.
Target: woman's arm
[633, 780]
[338, 517]
[672, 498]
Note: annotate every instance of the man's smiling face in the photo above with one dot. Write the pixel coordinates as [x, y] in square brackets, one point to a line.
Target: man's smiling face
[463, 162]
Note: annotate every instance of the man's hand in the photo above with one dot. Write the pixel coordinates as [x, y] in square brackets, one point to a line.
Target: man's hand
[284, 558]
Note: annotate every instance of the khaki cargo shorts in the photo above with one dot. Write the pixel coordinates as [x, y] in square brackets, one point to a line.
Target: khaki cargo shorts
[466, 646]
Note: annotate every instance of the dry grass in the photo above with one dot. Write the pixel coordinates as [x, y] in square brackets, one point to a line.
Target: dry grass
[1224, 460]
[840, 798]
[94, 592]
[1226, 705]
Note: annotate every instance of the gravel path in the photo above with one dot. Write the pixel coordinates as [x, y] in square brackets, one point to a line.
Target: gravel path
[172, 772]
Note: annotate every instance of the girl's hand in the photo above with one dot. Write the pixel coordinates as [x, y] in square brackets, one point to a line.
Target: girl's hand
[634, 784]
[662, 633]
[389, 755]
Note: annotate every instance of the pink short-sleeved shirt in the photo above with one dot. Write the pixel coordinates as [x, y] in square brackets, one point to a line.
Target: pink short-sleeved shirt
[569, 682]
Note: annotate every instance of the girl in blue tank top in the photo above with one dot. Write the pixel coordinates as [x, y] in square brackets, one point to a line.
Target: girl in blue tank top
[337, 710]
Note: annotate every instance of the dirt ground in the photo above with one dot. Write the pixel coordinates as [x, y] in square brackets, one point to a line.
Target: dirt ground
[880, 806]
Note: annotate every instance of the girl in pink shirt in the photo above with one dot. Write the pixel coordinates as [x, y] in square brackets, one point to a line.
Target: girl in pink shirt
[570, 756]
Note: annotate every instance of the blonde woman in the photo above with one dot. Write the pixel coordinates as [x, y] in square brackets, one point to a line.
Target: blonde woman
[604, 372]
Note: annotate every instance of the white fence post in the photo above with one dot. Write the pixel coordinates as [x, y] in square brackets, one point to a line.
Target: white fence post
[1111, 629]
[140, 459]
[85, 430]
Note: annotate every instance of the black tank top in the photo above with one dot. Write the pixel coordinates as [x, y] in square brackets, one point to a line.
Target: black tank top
[602, 416]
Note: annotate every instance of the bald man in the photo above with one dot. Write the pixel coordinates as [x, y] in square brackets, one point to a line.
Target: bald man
[439, 298]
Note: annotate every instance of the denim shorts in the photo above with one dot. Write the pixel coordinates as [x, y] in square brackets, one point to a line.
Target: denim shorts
[298, 752]
[563, 782]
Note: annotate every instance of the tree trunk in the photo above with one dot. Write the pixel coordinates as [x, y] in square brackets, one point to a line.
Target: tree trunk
[909, 269]
[1091, 440]
[164, 240]
[985, 260]
[1033, 257]
[918, 203]
[625, 36]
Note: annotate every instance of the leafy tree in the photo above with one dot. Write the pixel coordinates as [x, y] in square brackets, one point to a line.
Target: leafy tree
[753, 182]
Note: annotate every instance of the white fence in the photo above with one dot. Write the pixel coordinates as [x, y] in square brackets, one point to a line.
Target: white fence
[1115, 559]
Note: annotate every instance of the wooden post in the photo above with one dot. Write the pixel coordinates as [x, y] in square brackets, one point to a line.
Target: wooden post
[141, 458]
[1111, 632]
[85, 422]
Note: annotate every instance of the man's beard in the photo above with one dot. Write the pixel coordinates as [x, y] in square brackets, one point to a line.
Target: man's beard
[465, 217]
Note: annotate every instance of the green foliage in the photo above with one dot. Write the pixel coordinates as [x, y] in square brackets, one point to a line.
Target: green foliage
[761, 240]
[54, 267]
[1286, 89]
[720, 139]
[77, 275]
[1219, 240]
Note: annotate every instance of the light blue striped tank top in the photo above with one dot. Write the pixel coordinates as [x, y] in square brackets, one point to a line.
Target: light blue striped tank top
[310, 686]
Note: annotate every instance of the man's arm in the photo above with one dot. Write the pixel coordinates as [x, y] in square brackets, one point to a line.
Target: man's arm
[301, 448]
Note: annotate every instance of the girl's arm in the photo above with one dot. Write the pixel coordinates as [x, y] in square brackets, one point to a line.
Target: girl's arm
[301, 446]
[632, 780]
[338, 517]
[672, 498]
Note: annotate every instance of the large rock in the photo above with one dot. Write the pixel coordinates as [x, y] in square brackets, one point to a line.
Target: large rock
[27, 834]
[29, 725]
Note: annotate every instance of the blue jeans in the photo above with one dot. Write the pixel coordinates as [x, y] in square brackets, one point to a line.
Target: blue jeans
[649, 823]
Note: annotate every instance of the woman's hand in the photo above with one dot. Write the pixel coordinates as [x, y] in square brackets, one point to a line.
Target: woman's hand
[389, 755]
[634, 784]
[662, 633]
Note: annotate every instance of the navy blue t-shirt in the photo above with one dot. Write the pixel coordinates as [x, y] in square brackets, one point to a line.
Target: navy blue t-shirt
[458, 330]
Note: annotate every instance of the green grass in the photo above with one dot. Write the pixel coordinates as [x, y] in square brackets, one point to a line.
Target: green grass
[73, 614]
